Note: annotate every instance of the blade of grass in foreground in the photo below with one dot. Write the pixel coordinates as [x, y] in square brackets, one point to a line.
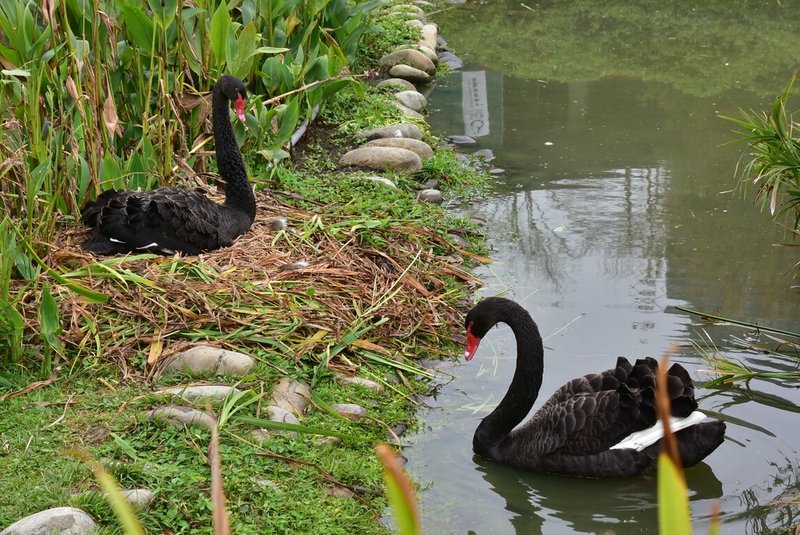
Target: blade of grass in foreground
[400, 493]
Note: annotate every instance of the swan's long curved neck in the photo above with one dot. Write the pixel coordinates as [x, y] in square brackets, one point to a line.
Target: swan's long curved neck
[524, 388]
[238, 191]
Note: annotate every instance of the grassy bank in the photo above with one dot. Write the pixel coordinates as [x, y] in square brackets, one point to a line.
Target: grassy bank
[363, 280]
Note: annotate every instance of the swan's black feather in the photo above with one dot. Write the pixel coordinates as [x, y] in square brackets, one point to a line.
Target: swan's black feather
[573, 431]
[169, 220]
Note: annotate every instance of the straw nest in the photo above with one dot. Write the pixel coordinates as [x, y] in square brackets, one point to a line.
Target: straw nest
[316, 289]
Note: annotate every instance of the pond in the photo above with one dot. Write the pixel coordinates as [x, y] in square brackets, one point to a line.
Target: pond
[617, 206]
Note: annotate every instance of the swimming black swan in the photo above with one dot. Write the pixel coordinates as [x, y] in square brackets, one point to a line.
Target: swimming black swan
[167, 220]
[599, 425]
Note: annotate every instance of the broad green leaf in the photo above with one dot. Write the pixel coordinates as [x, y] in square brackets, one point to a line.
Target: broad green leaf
[164, 11]
[673, 501]
[138, 25]
[398, 490]
[220, 24]
[49, 318]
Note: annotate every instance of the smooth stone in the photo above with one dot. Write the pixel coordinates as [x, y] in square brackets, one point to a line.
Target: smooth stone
[350, 410]
[461, 140]
[140, 498]
[409, 57]
[394, 130]
[451, 60]
[383, 158]
[277, 224]
[462, 158]
[408, 112]
[458, 241]
[411, 74]
[422, 149]
[430, 195]
[329, 442]
[381, 180]
[424, 4]
[291, 395]
[497, 171]
[484, 154]
[211, 360]
[416, 23]
[215, 392]
[429, 34]
[403, 85]
[412, 99]
[431, 183]
[366, 383]
[340, 492]
[429, 53]
[279, 414]
[300, 264]
[58, 520]
[178, 416]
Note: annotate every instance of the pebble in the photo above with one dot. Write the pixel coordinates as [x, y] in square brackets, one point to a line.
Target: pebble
[178, 416]
[139, 498]
[450, 59]
[403, 85]
[291, 395]
[381, 180]
[429, 36]
[59, 520]
[422, 149]
[497, 171]
[350, 410]
[461, 140]
[430, 195]
[393, 130]
[409, 57]
[408, 112]
[411, 74]
[431, 183]
[214, 392]
[458, 241]
[366, 383]
[207, 360]
[277, 224]
[487, 155]
[412, 99]
[383, 158]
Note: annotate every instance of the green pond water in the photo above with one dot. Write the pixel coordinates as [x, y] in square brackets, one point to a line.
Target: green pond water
[616, 206]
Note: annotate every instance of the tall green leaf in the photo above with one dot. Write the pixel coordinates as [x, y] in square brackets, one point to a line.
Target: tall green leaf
[138, 25]
[673, 501]
[220, 25]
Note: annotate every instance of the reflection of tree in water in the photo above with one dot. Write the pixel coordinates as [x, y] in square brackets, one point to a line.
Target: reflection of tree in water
[774, 507]
[586, 505]
[615, 219]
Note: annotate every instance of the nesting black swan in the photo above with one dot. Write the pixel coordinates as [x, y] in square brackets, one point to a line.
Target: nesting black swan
[599, 425]
[169, 220]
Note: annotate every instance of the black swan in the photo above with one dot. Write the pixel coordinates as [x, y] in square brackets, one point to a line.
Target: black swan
[599, 425]
[169, 220]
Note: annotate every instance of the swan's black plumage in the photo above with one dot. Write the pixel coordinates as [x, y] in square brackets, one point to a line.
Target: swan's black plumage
[573, 431]
[167, 220]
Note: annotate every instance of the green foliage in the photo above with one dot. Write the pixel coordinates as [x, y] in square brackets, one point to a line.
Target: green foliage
[99, 94]
[773, 161]
[673, 499]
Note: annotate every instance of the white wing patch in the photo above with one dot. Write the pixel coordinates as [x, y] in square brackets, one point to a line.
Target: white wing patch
[646, 437]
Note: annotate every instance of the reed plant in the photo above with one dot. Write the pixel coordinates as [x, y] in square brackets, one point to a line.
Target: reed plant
[773, 161]
[98, 94]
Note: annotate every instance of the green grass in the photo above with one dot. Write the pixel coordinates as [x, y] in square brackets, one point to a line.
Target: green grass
[266, 482]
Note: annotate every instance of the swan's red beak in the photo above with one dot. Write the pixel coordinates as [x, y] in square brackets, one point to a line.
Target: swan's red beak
[472, 344]
[238, 105]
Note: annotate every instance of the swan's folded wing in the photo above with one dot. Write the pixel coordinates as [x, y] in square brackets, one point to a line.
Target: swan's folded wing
[583, 424]
[184, 220]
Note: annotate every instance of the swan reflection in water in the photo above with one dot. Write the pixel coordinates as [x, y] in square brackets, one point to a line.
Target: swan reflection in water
[581, 505]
